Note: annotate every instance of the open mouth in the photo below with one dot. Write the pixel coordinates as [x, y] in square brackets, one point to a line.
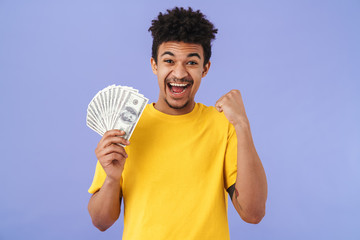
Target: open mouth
[178, 88]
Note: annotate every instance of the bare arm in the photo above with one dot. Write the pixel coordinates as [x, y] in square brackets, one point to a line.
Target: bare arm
[104, 205]
[251, 185]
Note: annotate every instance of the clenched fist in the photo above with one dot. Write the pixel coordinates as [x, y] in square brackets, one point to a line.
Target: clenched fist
[111, 155]
[233, 107]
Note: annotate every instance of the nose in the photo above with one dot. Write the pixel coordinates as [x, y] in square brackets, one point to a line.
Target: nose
[180, 71]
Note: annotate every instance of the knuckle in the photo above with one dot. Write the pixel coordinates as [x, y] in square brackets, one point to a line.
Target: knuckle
[98, 151]
[234, 91]
[120, 149]
[101, 159]
[105, 141]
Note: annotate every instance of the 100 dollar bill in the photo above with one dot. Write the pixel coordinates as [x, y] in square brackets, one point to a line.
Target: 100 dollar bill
[129, 113]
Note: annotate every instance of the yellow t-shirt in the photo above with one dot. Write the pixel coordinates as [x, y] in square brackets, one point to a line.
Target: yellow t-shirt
[175, 178]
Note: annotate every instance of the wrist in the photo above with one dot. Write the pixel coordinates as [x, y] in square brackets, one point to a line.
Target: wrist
[112, 182]
[241, 123]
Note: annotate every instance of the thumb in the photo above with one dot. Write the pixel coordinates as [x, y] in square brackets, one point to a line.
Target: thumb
[218, 107]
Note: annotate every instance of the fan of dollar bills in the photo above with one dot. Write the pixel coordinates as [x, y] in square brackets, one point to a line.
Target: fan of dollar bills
[115, 107]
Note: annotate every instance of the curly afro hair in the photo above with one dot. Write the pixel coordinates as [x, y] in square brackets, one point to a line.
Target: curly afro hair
[182, 25]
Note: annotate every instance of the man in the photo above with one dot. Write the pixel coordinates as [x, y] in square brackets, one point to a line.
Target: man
[183, 155]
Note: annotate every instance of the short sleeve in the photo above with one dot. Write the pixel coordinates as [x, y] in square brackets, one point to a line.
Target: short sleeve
[230, 164]
[99, 178]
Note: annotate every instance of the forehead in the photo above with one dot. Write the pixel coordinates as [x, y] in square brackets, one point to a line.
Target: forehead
[180, 49]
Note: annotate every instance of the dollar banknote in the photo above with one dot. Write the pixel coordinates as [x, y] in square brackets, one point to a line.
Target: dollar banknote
[130, 112]
[115, 107]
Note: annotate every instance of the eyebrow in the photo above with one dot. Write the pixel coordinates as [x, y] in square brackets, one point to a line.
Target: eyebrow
[167, 52]
[194, 55]
[189, 55]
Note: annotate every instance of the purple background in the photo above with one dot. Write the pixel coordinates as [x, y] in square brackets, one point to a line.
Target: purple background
[296, 63]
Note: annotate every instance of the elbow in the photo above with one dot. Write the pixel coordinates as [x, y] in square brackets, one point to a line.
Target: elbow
[103, 222]
[102, 229]
[254, 217]
[101, 226]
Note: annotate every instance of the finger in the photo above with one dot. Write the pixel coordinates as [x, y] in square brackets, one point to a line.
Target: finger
[236, 92]
[114, 132]
[220, 99]
[110, 133]
[218, 107]
[110, 141]
[111, 157]
[114, 140]
[219, 104]
[112, 149]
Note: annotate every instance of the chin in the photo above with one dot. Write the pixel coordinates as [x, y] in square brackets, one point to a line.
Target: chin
[177, 106]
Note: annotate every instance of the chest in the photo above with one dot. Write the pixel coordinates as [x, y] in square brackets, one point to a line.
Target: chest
[176, 154]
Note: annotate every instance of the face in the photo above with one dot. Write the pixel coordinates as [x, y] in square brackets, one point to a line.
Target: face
[128, 116]
[179, 69]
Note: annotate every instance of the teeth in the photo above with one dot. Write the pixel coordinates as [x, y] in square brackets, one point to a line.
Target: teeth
[178, 84]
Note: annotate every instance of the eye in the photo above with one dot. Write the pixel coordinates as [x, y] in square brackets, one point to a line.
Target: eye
[192, 63]
[168, 61]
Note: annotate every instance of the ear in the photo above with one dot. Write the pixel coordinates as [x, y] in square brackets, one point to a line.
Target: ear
[206, 69]
[153, 65]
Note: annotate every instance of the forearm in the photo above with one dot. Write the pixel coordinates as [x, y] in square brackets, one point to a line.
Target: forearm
[104, 205]
[251, 184]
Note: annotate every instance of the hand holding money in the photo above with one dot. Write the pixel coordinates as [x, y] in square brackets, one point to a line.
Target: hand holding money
[111, 155]
[114, 113]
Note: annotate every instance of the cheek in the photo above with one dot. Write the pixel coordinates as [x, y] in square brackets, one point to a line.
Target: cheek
[197, 80]
[161, 85]
[161, 82]
[162, 75]
[195, 87]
